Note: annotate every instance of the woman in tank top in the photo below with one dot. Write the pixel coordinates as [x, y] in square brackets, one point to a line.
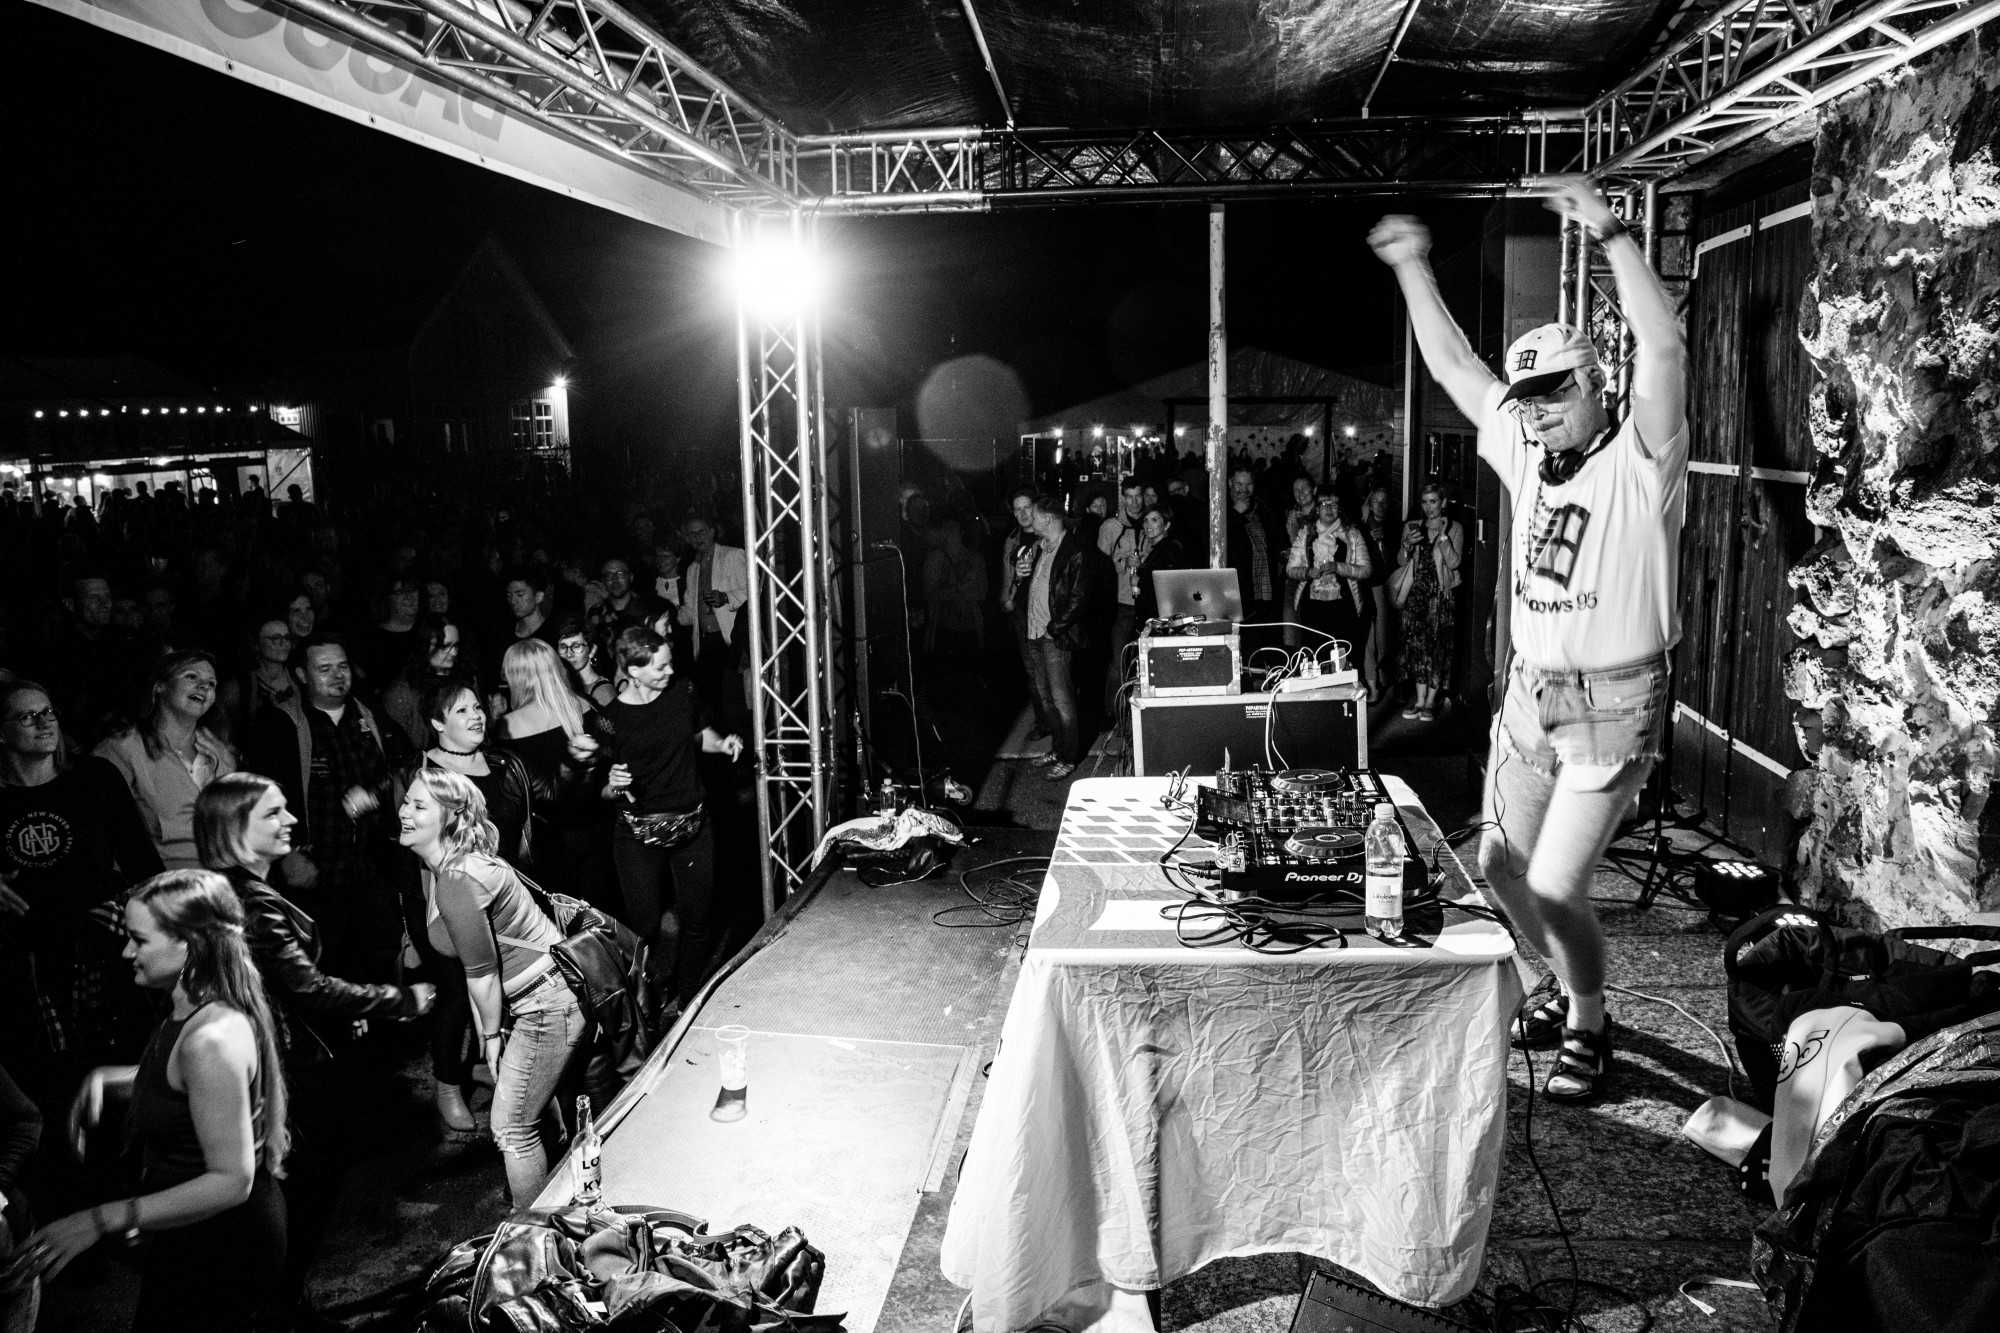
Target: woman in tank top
[479, 912]
[207, 1119]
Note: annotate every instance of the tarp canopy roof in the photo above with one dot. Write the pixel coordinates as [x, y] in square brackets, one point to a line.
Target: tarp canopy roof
[843, 66]
[1253, 373]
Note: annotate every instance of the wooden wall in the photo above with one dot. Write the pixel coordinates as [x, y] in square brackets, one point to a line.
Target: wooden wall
[1750, 384]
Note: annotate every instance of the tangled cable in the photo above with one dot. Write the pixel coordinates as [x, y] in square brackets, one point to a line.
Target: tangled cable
[1009, 900]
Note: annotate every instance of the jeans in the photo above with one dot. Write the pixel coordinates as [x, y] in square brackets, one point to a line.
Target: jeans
[683, 941]
[1598, 719]
[1055, 690]
[1026, 648]
[546, 1024]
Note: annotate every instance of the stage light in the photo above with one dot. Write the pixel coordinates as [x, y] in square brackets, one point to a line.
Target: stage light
[1058, 432]
[1097, 432]
[776, 278]
[1732, 888]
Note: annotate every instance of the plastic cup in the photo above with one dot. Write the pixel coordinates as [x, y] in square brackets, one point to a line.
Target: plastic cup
[732, 1047]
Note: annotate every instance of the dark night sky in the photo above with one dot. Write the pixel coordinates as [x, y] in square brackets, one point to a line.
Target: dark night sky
[168, 210]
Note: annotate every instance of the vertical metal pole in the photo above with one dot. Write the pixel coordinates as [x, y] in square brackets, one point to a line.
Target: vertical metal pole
[1218, 392]
[1565, 266]
[753, 524]
[1413, 411]
[1580, 307]
[812, 539]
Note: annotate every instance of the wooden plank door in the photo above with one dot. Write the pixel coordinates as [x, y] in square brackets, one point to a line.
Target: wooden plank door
[1751, 454]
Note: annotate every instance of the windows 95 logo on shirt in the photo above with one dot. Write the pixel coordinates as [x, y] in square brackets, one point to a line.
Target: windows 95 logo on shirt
[39, 839]
[1551, 558]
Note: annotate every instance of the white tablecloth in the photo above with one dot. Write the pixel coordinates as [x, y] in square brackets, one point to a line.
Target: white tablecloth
[1153, 1107]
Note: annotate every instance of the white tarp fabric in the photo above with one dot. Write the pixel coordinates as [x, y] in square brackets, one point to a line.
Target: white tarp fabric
[1151, 1111]
[278, 50]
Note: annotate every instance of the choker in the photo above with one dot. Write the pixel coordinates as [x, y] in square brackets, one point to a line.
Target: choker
[462, 754]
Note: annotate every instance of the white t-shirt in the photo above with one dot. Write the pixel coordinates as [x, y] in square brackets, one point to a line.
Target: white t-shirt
[1594, 563]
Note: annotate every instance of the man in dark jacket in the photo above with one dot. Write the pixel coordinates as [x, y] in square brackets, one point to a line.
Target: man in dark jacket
[1256, 549]
[1054, 610]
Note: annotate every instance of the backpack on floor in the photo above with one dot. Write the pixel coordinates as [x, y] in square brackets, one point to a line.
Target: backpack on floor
[1793, 959]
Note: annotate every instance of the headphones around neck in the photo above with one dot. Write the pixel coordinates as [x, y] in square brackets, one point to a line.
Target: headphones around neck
[1558, 466]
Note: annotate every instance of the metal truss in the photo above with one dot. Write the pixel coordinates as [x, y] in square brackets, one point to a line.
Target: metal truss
[1732, 76]
[968, 168]
[780, 408]
[594, 73]
[1752, 64]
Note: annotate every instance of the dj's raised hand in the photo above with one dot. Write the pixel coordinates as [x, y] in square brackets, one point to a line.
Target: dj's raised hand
[1576, 197]
[1400, 239]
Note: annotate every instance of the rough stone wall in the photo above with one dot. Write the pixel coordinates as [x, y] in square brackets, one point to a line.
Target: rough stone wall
[1897, 681]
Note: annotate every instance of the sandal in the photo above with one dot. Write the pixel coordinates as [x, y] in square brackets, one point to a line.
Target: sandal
[1538, 1026]
[1581, 1067]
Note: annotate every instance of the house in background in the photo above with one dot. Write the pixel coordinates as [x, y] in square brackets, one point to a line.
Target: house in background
[79, 427]
[488, 376]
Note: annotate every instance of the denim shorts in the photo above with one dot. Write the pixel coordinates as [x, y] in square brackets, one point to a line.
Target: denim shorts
[1592, 719]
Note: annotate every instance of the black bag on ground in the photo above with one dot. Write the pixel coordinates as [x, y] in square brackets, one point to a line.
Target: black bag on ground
[629, 1270]
[1891, 1226]
[1793, 959]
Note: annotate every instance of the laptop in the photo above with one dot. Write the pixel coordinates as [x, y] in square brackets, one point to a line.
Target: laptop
[1206, 594]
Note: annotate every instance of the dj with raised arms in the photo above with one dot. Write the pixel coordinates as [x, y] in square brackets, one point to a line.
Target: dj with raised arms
[1598, 501]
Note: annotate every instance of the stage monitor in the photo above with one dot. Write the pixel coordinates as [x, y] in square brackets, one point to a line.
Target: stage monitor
[1205, 594]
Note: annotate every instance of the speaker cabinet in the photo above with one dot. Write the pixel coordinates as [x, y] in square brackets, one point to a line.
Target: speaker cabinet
[1296, 728]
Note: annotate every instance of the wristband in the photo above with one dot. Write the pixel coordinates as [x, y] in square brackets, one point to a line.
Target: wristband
[97, 1220]
[1611, 232]
[130, 1231]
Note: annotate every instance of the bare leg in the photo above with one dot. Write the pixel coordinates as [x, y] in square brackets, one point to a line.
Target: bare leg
[1542, 865]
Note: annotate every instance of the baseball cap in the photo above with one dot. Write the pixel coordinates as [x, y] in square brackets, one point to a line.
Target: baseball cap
[1541, 359]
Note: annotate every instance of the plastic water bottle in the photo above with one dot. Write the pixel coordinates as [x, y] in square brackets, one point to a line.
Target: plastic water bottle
[1383, 908]
[589, 1157]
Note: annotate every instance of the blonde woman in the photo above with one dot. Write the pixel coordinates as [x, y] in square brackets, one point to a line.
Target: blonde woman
[545, 730]
[1434, 545]
[478, 911]
[208, 1115]
[171, 754]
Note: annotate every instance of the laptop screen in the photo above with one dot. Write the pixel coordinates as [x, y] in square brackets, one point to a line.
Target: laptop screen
[1209, 594]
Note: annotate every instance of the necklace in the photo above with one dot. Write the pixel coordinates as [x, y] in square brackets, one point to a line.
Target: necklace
[462, 754]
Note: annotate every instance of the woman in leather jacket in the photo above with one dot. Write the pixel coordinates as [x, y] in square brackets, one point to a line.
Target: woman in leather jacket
[241, 828]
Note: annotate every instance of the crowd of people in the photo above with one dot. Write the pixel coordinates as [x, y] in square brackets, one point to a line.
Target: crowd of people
[274, 788]
[1073, 582]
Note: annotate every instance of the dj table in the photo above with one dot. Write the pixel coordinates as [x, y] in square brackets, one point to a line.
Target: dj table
[1154, 1107]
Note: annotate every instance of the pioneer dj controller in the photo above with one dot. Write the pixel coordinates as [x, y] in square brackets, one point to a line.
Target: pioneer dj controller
[1296, 833]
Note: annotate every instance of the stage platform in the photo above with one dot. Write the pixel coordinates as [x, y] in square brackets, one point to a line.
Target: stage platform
[870, 1026]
